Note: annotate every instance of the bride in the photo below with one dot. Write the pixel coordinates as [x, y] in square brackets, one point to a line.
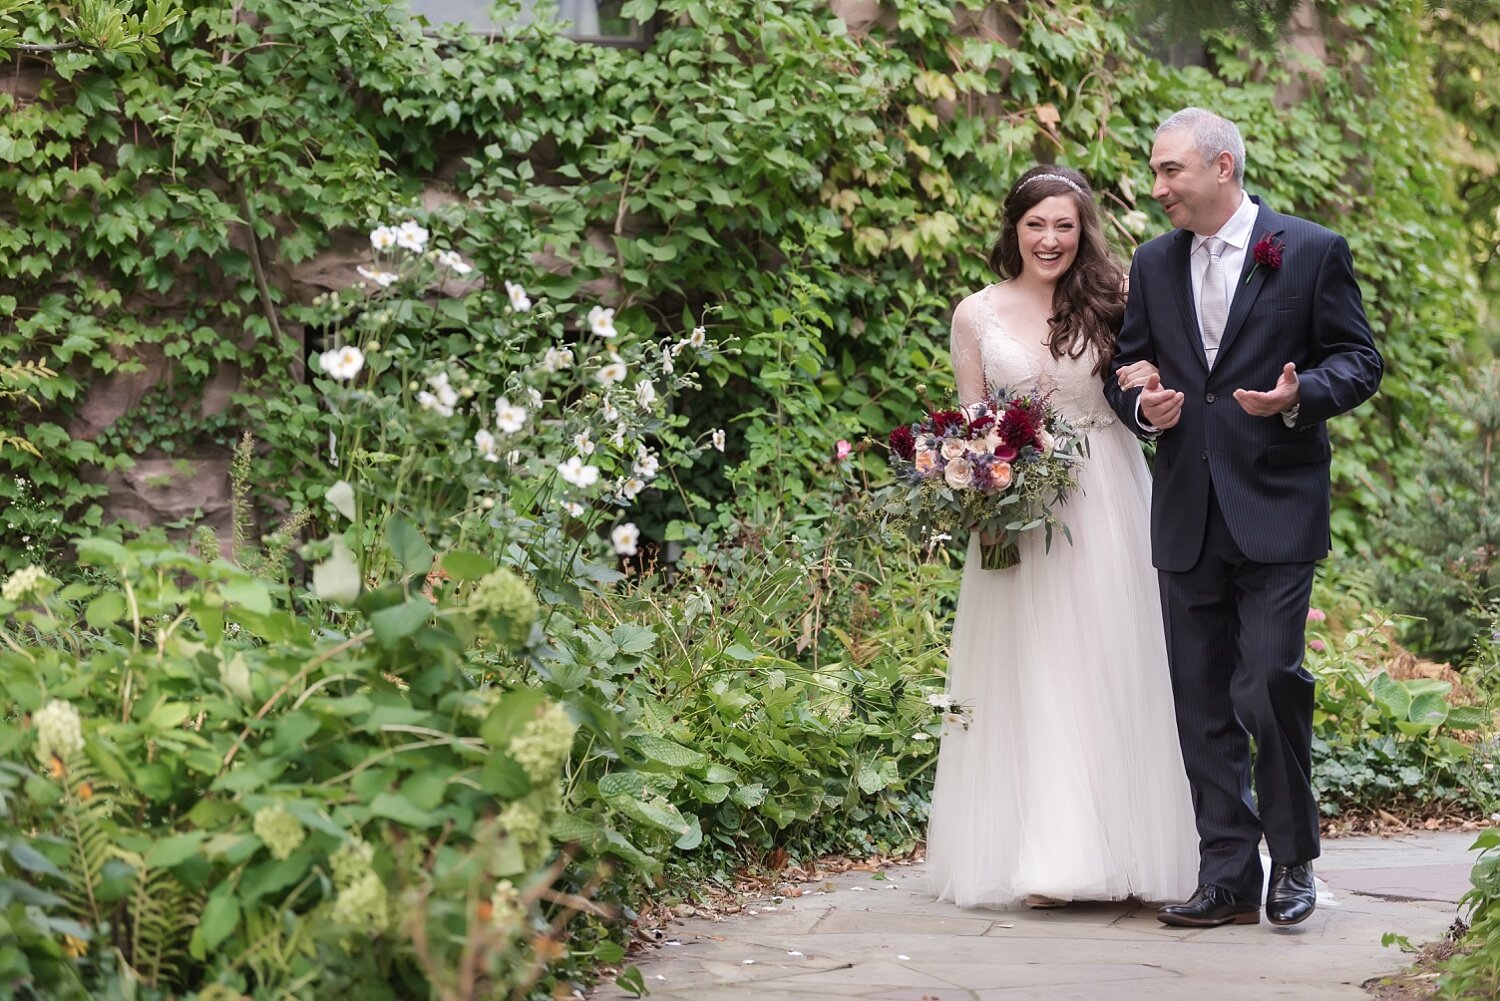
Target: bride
[1067, 782]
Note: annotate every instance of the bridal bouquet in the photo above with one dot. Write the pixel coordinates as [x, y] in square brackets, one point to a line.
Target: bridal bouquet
[1002, 467]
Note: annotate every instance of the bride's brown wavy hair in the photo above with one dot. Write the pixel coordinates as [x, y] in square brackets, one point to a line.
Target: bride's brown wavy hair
[1088, 302]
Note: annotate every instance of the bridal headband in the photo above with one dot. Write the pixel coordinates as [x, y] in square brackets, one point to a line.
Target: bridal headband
[1053, 177]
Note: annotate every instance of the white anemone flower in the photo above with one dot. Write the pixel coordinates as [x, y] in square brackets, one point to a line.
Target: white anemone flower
[647, 465]
[602, 321]
[557, 359]
[485, 442]
[443, 397]
[583, 443]
[631, 488]
[572, 507]
[411, 236]
[383, 238]
[382, 278]
[509, 418]
[577, 473]
[450, 260]
[342, 363]
[698, 338]
[718, 439]
[645, 394]
[667, 367]
[612, 373]
[625, 538]
[608, 411]
[519, 300]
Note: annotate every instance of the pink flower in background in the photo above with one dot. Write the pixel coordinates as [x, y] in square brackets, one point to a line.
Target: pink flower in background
[1317, 645]
[1316, 615]
[842, 450]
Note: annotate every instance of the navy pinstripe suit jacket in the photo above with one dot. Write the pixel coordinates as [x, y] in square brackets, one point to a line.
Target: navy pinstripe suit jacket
[1271, 481]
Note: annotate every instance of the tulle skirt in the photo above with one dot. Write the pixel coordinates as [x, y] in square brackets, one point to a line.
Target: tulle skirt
[1068, 780]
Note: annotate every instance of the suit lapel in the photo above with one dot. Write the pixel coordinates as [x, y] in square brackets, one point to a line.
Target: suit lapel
[1252, 279]
[1182, 272]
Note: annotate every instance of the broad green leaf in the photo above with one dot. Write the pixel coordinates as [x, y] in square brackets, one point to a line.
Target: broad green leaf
[394, 806]
[669, 753]
[749, 796]
[249, 593]
[462, 565]
[513, 711]
[1391, 696]
[30, 859]
[175, 850]
[630, 638]
[1428, 708]
[1470, 717]
[622, 784]
[221, 916]
[407, 545]
[694, 836]
[105, 610]
[392, 625]
[657, 811]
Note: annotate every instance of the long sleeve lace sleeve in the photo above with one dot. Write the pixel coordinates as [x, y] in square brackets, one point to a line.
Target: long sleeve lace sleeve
[968, 366]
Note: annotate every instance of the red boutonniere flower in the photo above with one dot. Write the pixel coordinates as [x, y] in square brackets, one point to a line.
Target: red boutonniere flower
[1267, 251]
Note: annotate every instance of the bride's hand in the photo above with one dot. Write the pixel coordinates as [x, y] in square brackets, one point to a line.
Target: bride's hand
[1136, 374]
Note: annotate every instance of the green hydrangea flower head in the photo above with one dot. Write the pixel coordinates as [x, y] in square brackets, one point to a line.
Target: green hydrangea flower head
[282, 832]
[544, 743]
[506, 606]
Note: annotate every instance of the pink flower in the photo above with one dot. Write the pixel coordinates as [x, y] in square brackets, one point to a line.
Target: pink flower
[926, 460]
[1003, 475]
[842, 450]
[1316, 615]
[1317, 645]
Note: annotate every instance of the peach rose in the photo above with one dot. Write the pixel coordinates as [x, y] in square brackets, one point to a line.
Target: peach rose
[1002, 474]
[954, 448]
[925, 460]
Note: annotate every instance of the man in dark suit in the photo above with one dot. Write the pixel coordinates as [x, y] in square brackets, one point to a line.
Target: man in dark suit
[1255, 322]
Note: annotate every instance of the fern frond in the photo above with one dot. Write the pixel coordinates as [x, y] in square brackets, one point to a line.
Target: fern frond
[88, 803]
[162, 916]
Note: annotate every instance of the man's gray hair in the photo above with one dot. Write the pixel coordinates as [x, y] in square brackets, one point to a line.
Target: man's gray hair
[1212, 134]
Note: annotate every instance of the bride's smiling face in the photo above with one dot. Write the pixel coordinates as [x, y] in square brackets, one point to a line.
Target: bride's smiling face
[1048, 236]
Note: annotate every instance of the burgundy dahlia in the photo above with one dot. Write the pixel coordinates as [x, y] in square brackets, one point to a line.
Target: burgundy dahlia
[1268, 251]
[978, 425]
[903, 442]
[1019, 425]
[944, 421]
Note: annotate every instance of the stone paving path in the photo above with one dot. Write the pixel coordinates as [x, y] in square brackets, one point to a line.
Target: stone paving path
[883, 938]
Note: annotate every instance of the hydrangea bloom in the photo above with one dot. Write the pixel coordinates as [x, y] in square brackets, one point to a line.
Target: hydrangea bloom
[544, 743]
[281, 832]
[59, 730]
[23, 582]
[506, 605]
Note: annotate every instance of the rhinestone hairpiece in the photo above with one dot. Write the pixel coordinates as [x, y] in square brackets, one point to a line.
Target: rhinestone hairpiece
[1053, 177]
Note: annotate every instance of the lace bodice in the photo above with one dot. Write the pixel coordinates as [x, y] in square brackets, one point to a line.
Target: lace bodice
[987, 358]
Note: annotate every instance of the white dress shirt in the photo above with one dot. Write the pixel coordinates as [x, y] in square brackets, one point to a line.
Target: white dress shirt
[1236, 234]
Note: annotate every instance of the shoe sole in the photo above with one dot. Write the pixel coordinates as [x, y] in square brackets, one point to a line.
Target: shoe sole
[1250, 918]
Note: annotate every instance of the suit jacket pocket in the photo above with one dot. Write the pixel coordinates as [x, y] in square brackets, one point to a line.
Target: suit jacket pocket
[1301, 453]
[1281, 304]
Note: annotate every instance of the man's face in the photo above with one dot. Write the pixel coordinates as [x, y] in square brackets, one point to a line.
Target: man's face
[1196, 195]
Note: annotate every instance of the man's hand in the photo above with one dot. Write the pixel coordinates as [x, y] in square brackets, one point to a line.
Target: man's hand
[1282, 398]
[1135, 374]
[1161, 407]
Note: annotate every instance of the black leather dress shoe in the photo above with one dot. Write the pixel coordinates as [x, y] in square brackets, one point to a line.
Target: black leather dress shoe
[1292, 896]
[1210, 907]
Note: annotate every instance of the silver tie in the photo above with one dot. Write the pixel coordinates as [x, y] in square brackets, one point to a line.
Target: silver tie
[1213, 305]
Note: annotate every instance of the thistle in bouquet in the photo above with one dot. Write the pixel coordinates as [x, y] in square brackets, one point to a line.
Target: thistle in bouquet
[1001, 466]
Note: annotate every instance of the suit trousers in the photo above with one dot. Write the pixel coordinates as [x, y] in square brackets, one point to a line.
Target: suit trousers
[1236, 633]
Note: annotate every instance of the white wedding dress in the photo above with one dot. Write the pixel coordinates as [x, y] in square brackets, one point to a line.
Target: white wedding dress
[1068, 781]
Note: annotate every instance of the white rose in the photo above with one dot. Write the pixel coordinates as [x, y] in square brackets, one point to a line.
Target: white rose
[959, 474]
[1046, 441]
[954, 448]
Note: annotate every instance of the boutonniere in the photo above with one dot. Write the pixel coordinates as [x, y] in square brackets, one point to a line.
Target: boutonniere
[1267, 251]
